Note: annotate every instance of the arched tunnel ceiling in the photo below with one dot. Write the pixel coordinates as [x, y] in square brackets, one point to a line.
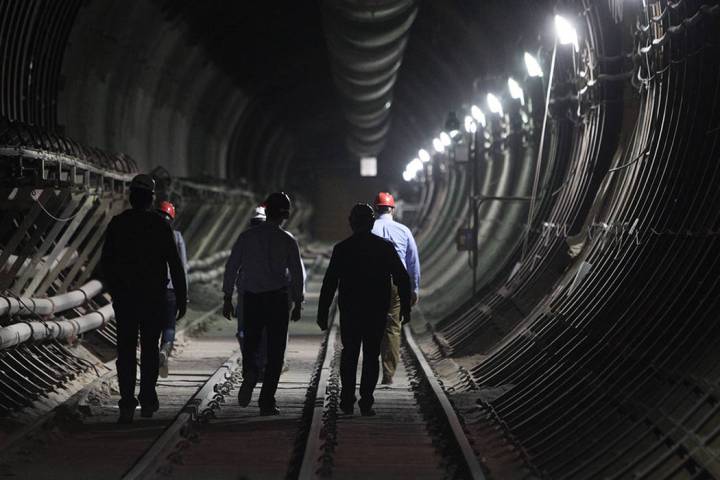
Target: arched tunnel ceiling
[251, 89]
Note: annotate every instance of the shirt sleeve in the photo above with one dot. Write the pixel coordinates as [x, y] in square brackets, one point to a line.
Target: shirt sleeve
[412, 260]
[232, 267]
[107, 258]
[177, 272]
[400, 278]
[329, 285]
[297, 272]
[182, 250]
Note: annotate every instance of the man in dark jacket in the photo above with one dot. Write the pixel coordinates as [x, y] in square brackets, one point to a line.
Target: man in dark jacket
[139, 247]
[363, 266]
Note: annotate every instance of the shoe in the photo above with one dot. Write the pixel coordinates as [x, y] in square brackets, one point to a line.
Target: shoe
[269, 411]
[347, 409]
[146, 411]
[245, 393]
[126, 416]
[386, 380]
[367, 412]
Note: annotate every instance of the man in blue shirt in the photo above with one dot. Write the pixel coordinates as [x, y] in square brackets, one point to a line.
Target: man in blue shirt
[404, 242]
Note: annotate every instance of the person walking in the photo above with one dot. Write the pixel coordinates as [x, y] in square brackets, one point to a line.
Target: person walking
[366, 269]
[273, 286]
[404, 242]
[166, 211]
[138, 250]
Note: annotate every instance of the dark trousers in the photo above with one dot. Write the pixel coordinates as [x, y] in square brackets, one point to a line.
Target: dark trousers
[148, 317]
[269, 311]
[168, 333]
[358, 331]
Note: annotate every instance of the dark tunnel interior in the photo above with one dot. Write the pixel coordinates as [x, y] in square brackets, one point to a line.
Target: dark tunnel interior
[557, 161]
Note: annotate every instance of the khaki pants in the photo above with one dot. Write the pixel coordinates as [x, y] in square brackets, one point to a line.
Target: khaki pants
[390, 349]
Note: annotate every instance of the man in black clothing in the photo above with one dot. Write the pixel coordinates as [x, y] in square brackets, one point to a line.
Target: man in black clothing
[139, 247]
[364, 266]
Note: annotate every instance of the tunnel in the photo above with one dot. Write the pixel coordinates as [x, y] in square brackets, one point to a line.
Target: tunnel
[557, 163]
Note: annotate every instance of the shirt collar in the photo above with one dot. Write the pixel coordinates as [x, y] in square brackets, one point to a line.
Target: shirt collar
[385, 216]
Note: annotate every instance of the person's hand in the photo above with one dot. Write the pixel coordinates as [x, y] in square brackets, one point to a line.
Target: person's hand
[228, 309]
[296, 312]
[413, 298]
[405, 317]
[322, 322]
[181, 310]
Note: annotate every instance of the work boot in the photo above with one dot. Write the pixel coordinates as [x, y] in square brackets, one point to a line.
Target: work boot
[245, 393]
[367, 412]
[146, 411]
[269, 411]
[347, 408]
[126, 416]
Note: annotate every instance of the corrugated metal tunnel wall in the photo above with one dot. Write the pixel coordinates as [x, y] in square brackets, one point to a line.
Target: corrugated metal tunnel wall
[596, 356]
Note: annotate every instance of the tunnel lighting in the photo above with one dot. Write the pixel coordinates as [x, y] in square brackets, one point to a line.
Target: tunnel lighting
[470, 125]
[454, 133]
[423, 155]
[415, 166]
[445, 139]
[566, 33]
[533, 67]
[408, 176]
[478, 115]
[438, 145]
[368, 167]
[494, 104]
[516, 91]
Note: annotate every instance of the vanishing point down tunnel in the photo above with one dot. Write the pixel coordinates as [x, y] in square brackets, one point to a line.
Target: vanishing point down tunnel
[557, 162]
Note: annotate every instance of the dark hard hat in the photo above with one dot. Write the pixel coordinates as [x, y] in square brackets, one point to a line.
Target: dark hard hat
[277, 203]
[361, 213]
[143, 182]
[384, 199]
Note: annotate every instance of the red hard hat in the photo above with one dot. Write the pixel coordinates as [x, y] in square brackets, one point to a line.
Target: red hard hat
[384, 199]
[168, 209]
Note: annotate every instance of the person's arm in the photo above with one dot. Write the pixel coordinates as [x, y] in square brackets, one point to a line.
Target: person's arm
[182, 250]
[177, 272]
[402, 281]
[297, 279]
[327, 292]
[232, 267]
[412, 260]
[107, 258]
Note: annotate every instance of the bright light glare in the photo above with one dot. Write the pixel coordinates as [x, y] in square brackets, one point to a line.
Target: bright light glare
[494, 104]
[454, 133]
[445, 139]
[533, 67]
[415, 166]
[438, 145]
[566, 33]
[470, 125]
[423, 155]
[516, 91]
[478, 115]
[408, 176]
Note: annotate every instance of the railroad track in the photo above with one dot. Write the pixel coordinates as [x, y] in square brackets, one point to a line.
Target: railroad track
[416, 433]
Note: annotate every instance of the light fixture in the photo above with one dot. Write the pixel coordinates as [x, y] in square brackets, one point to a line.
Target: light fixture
[445, 139]
[415, 165]
[533, 67]
[408, 176]
[478, 115]
[494, 104]
[470, 125]
[566, 33]
[438, 145]
[516, 91]
[423, 155]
